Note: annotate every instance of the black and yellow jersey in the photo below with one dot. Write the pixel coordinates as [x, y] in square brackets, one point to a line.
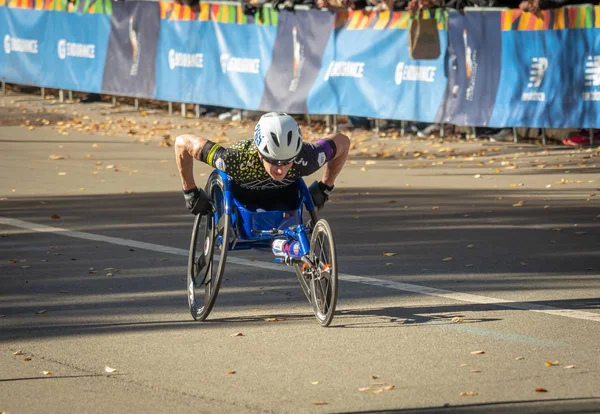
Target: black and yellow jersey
[242, 163]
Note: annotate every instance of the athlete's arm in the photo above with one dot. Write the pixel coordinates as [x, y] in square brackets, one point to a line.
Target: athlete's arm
[335, 165]
[188, 148]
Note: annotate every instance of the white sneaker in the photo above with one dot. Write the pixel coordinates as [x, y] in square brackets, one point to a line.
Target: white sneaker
[225, 116]
[430, 130]
[504, 135]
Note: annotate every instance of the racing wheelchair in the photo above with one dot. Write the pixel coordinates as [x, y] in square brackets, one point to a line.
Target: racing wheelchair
[295, 236]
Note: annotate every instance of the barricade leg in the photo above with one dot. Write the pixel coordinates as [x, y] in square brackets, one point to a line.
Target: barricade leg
[183, 110]
[114, 101]
[402, 128]
[515, 137]
[3, 88]
[474, 132]
[70, 94]
[442, 130]
[197, 110]
[170, 108]
[375, 125]
[136, 104]
[43, 92]
[544, 136]
[308, 120]
[61, 96]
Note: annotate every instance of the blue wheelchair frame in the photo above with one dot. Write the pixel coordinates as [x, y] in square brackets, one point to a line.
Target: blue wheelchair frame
[258, 228]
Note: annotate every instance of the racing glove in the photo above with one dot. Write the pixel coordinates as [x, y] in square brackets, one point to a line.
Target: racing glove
[197, 201]
[320, 193]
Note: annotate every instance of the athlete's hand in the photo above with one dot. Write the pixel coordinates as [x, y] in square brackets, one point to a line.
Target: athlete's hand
[197, 201]
[320, 193]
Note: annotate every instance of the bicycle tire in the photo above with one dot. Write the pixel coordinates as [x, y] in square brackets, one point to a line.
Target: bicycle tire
[324, 281]
[212, 275]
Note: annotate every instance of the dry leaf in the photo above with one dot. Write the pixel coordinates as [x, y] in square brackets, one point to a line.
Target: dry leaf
[517, 185]
[477, 352]
[389, 387]
[523, 264]
[377, 391]
[519, 358]
[540, 390]
[551, 364]
[570, 366]
[27, 359]
[370, 162]
[469, 246]
[109, 274]
[319, 403]
[373, 376]
[230, 372]
[274, 319]
[519, 203]
[457, 320]
[41, 312]
[477, 175]
[435, 208]
[464, 365]
[447, 259]
[56, 157]
[55, 217]
[468, 394]
[46, 372]
[475, 371]
[364, 389]
[237, 334]
[19, 352]
[62, 173]
[109, 370]
[390, 254]
[314, 382]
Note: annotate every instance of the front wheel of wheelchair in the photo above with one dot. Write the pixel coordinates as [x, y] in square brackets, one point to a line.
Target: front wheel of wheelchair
[309, 218]
[324, 280]
[209, 237]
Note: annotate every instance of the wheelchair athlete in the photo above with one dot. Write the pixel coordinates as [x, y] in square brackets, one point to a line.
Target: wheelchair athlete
[264, 169]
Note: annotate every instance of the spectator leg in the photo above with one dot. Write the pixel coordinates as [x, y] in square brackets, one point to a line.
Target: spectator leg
[474, 132]
[61, 96]
[402, 128]
[183, 110]
[515, 137]
[170, 108]
[375, 125]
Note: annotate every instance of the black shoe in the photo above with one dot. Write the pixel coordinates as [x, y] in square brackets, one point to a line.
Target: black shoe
[91, 97]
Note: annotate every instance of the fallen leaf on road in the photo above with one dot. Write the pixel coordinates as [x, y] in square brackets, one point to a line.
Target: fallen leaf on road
[556, 229]
[540, 390]
[551, 364]
[237, 334]
[469, 246]
[457, 320]
[230, 372]
[55, 217]
[390, 254]
[109, 274]
[570, 366]
[274, 319]
[523, 264]
[56, 157]
[435, 208]
[477, 175]
[364, 389]
[109, 369]
[314, 382]
[477, 352]
[46, 372]
[373, 376]
[468, 394]
[62, 173]
[475, 371]
[447, 259]
[519, 358]
[319, 403]
[389, 387]
[41, 312]
[19, 352]
[27, 359]
[519, 204]
[377, 391]
[464, 365]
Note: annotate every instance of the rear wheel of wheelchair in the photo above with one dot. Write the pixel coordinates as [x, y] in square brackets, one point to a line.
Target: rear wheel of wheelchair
[324, 280]
[209, 237]
[309, 219]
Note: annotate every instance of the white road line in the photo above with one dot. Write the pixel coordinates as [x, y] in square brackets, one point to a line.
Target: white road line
[405, 287]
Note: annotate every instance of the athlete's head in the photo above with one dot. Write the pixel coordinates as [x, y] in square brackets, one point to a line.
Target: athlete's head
[278, 138]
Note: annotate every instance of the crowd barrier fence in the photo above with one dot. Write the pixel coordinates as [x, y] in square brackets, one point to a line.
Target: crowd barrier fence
[497, 68]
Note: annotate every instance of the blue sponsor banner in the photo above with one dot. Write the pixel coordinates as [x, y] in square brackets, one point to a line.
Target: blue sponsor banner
[369, 72]
[473, 66]
[183, 49]
[549, 79]
[237, 63]
[77, 47]
[24, 45]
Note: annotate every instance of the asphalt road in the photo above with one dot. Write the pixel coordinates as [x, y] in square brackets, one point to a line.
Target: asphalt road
[495, 250]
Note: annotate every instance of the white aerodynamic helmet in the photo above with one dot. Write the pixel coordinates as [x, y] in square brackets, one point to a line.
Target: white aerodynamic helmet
[278, 137]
